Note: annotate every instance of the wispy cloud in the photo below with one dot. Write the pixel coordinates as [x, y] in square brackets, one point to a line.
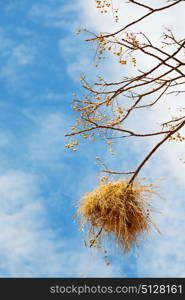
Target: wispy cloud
[78, 60]
[24, 239]
[29, 247]
[54, 14]
[16, 60]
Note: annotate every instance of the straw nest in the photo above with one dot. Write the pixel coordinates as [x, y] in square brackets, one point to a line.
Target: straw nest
[115, 209]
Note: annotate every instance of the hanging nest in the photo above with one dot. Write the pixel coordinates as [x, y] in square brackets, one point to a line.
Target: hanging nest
[116, 209]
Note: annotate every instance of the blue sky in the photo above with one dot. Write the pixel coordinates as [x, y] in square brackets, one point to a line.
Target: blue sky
[41, 181]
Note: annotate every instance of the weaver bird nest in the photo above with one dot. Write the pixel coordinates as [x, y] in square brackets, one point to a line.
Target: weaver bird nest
[116, 209]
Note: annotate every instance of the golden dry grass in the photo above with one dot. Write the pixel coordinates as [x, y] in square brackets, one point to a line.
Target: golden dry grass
[114, 209]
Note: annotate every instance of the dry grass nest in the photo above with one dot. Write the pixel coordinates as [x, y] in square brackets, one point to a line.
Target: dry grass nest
[118, 210]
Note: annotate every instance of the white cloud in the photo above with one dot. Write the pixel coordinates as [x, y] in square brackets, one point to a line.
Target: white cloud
[163, 255]
[23, 54]
[24, 237]
[18, 59]
[77, 61]
[29, 247]
[54, 14]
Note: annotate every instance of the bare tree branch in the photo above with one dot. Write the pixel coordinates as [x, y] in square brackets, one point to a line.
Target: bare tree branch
[108, 106]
